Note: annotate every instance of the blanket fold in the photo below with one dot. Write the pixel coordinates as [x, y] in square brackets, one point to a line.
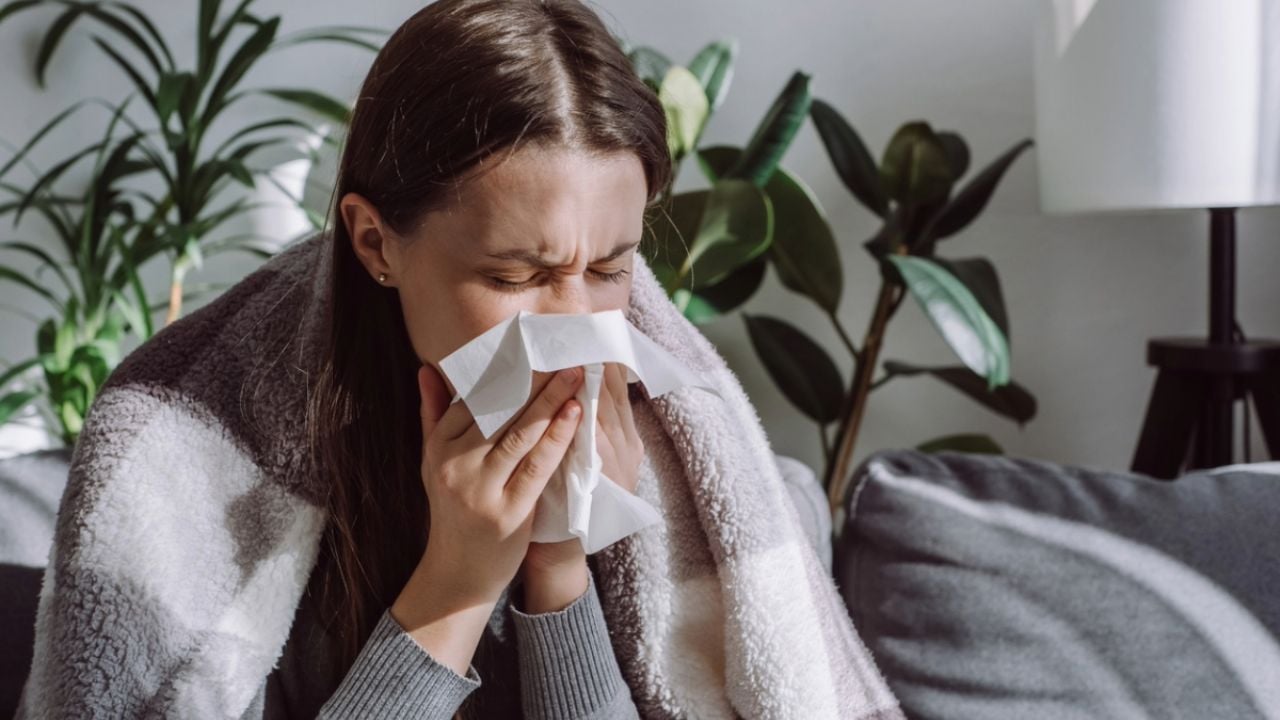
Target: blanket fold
[190, 524]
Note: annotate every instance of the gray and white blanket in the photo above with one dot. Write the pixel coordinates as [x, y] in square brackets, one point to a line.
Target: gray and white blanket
[190, 524]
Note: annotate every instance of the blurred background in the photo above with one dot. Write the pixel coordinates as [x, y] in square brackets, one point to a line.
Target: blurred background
[1083, 293]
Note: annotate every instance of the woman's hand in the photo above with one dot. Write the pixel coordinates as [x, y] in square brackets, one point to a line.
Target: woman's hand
[554, 574]
[482, 492]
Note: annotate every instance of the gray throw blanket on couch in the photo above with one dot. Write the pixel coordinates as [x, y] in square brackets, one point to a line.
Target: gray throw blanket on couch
[190, 524]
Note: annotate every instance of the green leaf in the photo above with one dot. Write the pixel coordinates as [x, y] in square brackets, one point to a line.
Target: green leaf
[713, 301]
[245, 56]
[958, 316]
[172, 86]
[14, 402]
[1011, 401]
[15, 371]
[962, 443]
[957, 151]
[803, 248]
[713, 66]
[53, 36]
[853, 162]
[72, 420]
[44, 257]
[8, 273]
[800, 368]
[139, 82]
[735, 227]
[915, 169]
[650, 65]
[22, 153]
[319, 103]
[686, 108]
[342, 35]
[979, 276]
[775, 132]
[129, 33]
[17, 6]
[969, 202]
[149, 28]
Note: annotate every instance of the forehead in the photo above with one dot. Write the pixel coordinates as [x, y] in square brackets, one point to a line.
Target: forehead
[554, 197]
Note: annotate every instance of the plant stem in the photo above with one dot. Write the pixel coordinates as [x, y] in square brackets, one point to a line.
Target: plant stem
[175, 301]
[844, 336]
[851, 420]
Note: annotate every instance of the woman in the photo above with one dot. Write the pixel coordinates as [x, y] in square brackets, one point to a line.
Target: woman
[501, 156]
[274, 512]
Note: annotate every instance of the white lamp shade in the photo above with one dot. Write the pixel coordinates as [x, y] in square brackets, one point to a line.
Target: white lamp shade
[1157, 104]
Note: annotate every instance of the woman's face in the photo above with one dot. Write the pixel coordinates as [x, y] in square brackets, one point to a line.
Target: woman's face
[547, 231]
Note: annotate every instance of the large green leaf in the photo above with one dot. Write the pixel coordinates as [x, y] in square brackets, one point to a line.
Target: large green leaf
[972, 198]
[709, 303]
[958, 316]
[713, 66]
[650, 65]
[853, 162]
[967, 443]
[736, 226]
[803, 249]
[685, 104]
[915, 169]
[775, 132]
[979, 275]
[1012, 400]
[800, 368]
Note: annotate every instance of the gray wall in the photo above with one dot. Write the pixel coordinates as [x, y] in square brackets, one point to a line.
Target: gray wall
[1083, 293]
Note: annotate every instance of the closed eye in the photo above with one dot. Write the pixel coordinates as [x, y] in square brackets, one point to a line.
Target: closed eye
[507, 286]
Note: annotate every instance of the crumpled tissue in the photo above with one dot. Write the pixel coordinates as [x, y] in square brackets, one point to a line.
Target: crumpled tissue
[492, 374]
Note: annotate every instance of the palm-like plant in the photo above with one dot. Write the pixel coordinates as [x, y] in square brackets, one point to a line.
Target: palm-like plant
[120, 221]
[185, 103]
[98, 296]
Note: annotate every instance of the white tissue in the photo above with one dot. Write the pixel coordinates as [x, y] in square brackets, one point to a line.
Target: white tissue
[493, 375]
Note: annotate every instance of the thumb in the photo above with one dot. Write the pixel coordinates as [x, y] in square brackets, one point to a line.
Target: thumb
[434, 398]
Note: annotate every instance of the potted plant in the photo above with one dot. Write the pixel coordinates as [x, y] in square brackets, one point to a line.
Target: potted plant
[163, 134]
[712, 248]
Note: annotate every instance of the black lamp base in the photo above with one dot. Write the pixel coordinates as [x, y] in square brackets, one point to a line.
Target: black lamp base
[1200, 380]
[1195, 390]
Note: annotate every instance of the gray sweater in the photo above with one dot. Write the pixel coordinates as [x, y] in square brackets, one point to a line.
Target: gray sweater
[547, 665]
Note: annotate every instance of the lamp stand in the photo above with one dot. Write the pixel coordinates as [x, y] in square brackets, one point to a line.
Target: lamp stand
[1199, 380]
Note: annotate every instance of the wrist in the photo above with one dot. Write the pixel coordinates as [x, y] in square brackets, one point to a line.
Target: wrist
[555, 587]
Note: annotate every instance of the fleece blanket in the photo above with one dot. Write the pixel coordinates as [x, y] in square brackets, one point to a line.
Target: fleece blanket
[190, 524]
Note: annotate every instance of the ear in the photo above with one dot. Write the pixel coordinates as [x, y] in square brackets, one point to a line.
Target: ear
[371, 239]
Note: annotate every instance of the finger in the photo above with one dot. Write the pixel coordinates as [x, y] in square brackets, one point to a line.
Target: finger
[622, 402]
[524, 431]
[535, 469]
[449, 420]
[606, 407]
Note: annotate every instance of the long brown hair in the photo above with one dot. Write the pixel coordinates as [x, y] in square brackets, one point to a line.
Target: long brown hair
[458, 81]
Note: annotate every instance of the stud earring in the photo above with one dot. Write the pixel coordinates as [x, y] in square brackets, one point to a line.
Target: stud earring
[382, 277]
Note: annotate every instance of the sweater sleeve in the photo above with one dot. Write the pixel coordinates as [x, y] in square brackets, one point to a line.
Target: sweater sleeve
[567, 667]
[395, 677]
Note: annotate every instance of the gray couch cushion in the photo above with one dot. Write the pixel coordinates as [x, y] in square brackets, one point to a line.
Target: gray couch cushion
[991, 587]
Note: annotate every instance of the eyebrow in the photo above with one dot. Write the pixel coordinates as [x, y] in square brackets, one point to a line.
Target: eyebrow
[532, 257]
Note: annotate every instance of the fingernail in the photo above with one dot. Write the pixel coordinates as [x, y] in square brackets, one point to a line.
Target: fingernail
[569, 374]
[570, 411]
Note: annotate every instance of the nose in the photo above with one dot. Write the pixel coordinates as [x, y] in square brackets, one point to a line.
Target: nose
[568, 297]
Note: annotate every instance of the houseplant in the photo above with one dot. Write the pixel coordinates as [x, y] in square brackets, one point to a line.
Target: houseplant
[711, 249]
[162, 134]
